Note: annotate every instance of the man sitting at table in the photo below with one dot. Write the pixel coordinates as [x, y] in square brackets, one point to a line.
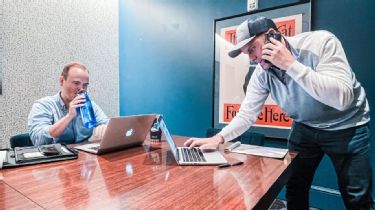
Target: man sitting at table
[54, 119]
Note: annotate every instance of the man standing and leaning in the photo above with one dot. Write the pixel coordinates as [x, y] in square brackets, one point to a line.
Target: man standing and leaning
[310, 78]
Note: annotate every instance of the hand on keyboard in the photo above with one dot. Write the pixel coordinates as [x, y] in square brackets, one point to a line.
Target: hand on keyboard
[205, 143]
[98, 133]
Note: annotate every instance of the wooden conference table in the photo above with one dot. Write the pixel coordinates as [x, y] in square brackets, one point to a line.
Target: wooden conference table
[144, 177]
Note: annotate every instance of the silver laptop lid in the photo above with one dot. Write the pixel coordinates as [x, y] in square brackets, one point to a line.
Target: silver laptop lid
[169, 138]
[126, 131]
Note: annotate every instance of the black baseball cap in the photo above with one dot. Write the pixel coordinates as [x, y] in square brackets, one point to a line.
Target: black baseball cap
[249, 29]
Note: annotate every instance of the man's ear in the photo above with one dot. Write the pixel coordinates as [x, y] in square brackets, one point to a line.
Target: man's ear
[61, 80]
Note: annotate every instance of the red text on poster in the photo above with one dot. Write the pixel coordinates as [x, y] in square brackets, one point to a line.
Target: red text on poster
[271, 115]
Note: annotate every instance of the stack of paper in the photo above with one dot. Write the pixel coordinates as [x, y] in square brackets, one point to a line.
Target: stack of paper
[256, 150]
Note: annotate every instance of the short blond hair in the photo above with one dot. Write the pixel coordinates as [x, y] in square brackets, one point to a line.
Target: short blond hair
[67, 67]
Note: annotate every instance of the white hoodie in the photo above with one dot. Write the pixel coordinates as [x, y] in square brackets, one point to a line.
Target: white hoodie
[319, 89]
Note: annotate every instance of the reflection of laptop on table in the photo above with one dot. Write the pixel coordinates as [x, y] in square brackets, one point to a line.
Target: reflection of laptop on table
[194, 156]
[121, 132]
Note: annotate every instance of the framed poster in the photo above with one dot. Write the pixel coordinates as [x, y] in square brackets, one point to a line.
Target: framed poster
[231, 75]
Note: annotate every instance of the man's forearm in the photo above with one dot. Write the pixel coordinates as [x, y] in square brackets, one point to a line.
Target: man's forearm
[58, 128]
[219, 138]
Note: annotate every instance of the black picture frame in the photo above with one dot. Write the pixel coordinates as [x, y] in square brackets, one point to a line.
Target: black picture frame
[302, 9]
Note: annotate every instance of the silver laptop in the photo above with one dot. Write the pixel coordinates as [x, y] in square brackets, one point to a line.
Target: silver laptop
[190, 156]
[121, 133]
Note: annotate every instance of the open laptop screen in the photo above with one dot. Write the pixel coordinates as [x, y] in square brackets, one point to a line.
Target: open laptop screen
[168, 136]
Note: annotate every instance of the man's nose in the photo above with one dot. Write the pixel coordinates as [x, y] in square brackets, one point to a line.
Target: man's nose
[80, 90]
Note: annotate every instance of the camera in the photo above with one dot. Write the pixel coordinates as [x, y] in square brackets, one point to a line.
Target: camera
[275, 35]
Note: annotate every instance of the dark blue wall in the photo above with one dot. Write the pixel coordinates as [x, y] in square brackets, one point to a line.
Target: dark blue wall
[166, 58]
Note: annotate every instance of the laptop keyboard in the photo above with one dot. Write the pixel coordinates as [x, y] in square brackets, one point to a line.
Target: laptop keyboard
[192, 155]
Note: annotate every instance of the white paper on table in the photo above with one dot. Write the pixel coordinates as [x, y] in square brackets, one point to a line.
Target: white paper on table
[257, 150]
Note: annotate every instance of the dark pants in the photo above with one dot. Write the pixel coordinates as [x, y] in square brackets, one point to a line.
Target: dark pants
[348, 150]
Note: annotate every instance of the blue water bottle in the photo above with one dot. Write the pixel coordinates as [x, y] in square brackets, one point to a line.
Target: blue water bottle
[87, 113]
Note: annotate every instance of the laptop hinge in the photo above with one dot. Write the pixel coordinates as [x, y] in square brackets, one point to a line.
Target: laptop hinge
[178, 155]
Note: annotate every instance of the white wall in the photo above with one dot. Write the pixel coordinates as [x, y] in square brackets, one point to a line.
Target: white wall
[39, 37]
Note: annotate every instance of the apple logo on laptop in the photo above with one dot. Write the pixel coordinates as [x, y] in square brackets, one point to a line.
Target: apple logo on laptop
[129, 132]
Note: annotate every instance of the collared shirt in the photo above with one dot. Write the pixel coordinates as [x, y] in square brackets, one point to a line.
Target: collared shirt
[47, 111]
[319, 89]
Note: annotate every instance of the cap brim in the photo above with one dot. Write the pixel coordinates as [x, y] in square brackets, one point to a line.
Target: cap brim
[237, 49]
